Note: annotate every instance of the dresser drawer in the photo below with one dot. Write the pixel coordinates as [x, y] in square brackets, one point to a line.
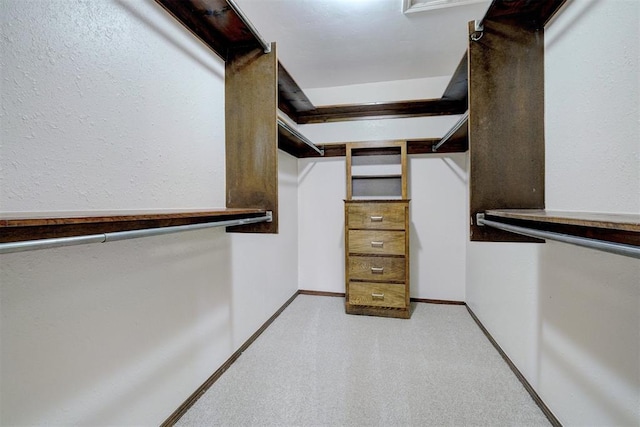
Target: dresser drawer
[377, 294]
[389, 216]
[376, 242]
[384, 269]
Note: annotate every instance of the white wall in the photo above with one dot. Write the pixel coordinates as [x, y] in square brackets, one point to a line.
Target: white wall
[568, 316]
[437, 188]
[113, 105]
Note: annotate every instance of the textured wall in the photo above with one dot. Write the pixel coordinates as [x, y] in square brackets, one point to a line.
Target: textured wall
[568, 316]
[437, 188]
[113, 105]
[103, 108]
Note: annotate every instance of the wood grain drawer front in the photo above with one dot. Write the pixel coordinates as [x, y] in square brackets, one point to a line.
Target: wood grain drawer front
[377, 294]
[389, 216]
[376, 242]
[383, 269]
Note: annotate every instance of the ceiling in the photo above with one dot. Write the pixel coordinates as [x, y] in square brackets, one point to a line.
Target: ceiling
[324, 43]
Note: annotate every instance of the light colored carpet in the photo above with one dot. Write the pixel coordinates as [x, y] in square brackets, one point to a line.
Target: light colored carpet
[317, 366]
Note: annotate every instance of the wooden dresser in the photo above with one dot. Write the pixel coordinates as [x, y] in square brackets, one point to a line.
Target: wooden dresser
[377, 230]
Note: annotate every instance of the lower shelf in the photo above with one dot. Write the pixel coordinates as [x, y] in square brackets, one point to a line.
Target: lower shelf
[17, 227]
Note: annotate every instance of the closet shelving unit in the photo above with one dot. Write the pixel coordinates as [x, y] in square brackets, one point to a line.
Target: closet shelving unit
[220, 26]
[506, 155]
[505, 84]
[37, 230]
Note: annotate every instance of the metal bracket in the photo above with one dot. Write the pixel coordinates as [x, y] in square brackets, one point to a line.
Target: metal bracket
[480, 219]
[478, 31]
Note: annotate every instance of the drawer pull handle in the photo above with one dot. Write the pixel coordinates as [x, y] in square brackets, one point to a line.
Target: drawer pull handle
[377, 244]
[377, 296]
[377, 270]
[377, 218]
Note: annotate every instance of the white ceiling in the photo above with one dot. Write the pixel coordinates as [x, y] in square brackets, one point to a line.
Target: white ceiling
[325, 43]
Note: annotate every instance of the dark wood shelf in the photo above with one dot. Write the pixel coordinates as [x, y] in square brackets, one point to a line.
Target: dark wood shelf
[617, 228]
[294, 143]
[35, 226]
[376, 110]
[381, 176]
[458, 87]
[414, 146]
[215, 23]
[458, 136]
[291, 99]
[525, 13]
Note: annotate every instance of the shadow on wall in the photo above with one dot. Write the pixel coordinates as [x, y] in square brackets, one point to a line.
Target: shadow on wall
[96, 333]
[132, 8]
[586, 5]
[589, 313]
[458, 165]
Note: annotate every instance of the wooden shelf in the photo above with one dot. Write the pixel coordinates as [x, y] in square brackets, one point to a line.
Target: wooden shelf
[458, 87]
[291, 99]
[618, 228]
[376, 110]
[415, 146]
[215, 23]
[525, 13]
[458, 135]
[390, 176]
[16, 227]
[296, 144]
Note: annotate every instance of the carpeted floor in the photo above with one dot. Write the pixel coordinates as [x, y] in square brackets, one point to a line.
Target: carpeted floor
[317, 366]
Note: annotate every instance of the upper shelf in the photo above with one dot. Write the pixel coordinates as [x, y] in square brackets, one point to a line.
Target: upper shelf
[458, 87]
[527, 13]
[375, 110]
[217, 23]
[221, 26]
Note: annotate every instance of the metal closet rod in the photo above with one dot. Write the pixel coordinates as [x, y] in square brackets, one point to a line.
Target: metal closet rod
[601, 245]
[453, 130]
[300, 136]
[265, 46]
[31, 245]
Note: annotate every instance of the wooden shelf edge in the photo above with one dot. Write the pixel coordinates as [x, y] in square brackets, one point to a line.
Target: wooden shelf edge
[622, 222]
[458, 87]
[293, 142]
[525, 13]
[414, 147]
[377, 110]
[458, 134]
[291, 98]
[378, 176]
[36, 226]
[218, 26]
[617, 228]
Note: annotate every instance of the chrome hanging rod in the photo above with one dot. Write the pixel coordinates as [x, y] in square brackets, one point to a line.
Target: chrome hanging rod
[453, 130]
[31, 245]
[265, 46]
[601, 245]
[300, 136]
